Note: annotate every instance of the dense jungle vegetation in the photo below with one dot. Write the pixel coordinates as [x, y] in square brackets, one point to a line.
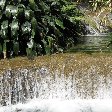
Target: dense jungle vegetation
[38, 27]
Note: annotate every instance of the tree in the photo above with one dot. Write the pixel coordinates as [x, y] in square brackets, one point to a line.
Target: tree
[36, 27]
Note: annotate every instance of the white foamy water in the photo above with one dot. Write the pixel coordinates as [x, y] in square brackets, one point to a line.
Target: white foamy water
[38, 90]
[57, 105]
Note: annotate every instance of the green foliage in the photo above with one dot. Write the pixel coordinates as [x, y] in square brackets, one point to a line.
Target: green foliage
[16, 47]
[14, 28]
[98, 4]
[59, 23]
[4, 29]
[39, 27]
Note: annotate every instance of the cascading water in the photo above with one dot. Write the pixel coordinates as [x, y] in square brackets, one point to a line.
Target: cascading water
[86, 89]
[100, 28]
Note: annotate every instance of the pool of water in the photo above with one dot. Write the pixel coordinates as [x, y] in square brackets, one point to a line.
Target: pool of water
[57, 105]
[93, 43]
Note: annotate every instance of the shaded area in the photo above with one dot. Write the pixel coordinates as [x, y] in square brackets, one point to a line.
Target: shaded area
[37, 28]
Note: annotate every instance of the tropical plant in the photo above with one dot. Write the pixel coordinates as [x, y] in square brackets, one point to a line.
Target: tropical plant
[36, 27]
[97, 4]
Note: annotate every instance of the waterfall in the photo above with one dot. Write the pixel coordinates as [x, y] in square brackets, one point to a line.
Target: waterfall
[97, 24]
[100, 28]
[44, 90]
[91, 31]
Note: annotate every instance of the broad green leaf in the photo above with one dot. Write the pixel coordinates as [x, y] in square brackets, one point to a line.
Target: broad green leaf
[54, 3]
[59, 23]
[44, 7]
[14, 10]
[57, 32]
[16, 47]
[50, 20]
[4, 29]
[32, 33]
[14, 28]
[33, 5]
[47, 48]
[74, 19]
[34, 24]
[21, 6]
[30, 53]
[27, 14]
[68, 7]
[11, 9]
[26, 27]
[30, 44]
[50, 40]
[2, 3]
[28, 50]
[31, 13]
[8, 11]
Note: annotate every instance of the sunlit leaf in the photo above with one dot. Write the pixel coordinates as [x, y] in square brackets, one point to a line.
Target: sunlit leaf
[27, 14]
[59, 23]
[26, 27]
[4, 29]
[30, 44]
[2, 3]
[14, 27]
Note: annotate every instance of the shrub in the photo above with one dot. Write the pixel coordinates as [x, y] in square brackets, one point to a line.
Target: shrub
[37, 27]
